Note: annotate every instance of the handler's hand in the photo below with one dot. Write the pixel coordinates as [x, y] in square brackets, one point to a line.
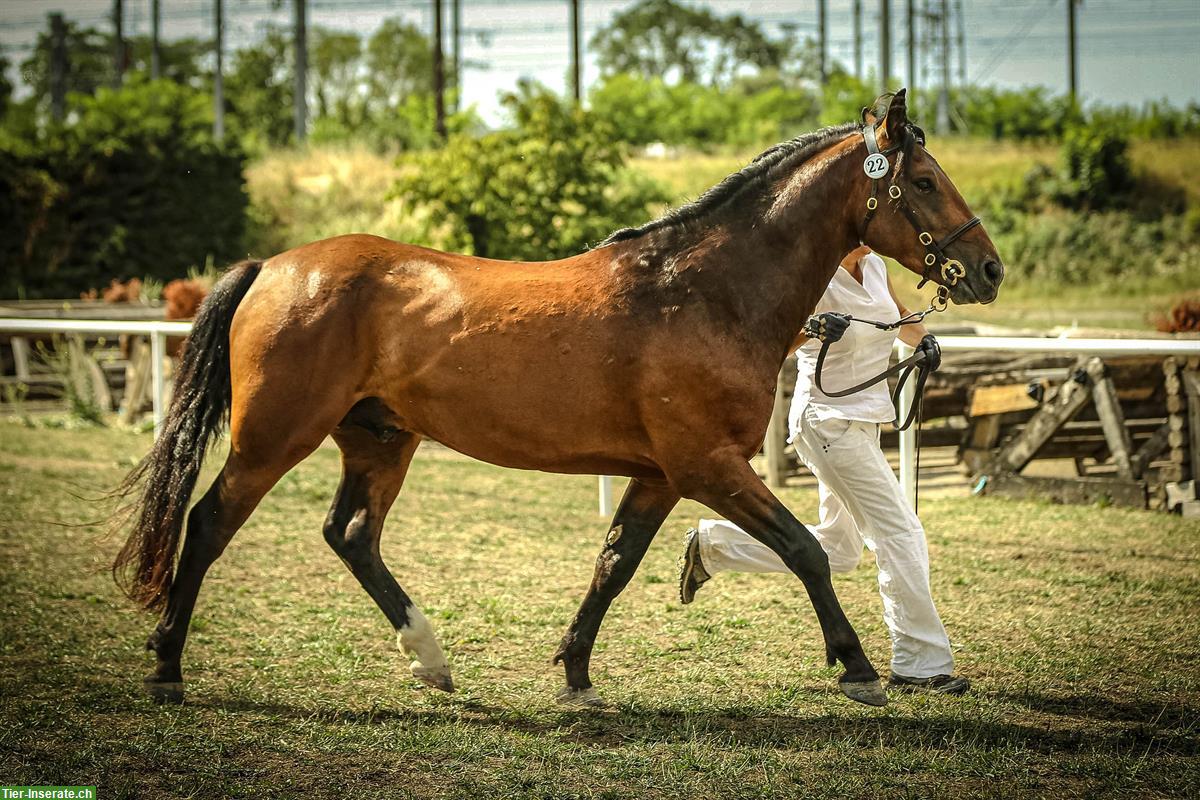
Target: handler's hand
[827, 327]
[932, 350]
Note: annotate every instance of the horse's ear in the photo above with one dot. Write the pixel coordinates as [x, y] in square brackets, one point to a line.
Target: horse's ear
[872, 114]
[894, 119]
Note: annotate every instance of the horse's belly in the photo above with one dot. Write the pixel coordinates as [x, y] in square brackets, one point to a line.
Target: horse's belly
[529, 414]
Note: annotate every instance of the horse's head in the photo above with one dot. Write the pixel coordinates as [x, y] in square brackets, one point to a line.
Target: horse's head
[914, 214]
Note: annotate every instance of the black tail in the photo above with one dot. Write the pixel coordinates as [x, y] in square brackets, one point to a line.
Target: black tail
[163, 482]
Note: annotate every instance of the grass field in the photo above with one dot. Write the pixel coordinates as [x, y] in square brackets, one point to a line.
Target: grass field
[1078, 626]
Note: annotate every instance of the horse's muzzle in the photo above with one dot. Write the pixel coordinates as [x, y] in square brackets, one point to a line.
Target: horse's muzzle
[980, 284]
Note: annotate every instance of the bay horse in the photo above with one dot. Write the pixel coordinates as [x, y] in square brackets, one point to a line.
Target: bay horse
[653, 356]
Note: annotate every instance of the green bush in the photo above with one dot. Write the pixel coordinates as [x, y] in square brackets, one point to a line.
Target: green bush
[1110, 251]
[1096, 164]
[1031, 113]
[546, 189]
[134, 185]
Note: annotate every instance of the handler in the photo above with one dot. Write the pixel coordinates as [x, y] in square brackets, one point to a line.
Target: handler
[861, 501]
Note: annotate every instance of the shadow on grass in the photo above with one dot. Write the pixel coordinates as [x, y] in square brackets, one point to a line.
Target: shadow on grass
[1159, 715]
[1145, 728]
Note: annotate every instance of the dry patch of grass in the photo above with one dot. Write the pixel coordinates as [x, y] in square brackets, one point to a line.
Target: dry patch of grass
[1078, 626]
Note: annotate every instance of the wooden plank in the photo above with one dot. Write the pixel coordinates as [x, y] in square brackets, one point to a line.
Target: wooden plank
[1117, 491]
[1112, 421]
[1150, 450]
[20, 351]
[987, 400]
[137, 379]
[1191, 386]
[1051, 416]
[775, 445]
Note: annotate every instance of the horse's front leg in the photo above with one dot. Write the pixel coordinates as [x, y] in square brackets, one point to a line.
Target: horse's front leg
[640, 515]
[728, 485]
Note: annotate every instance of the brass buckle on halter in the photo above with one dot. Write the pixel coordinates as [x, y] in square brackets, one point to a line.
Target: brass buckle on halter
[872, 204]
[894, 192]
[952, 270]
[930, 260]
[925, 237]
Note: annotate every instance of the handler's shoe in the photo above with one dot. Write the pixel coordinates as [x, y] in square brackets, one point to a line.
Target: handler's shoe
[938, 684]
[691, 569]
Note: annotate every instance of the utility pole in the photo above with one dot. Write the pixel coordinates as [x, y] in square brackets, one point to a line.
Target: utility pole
[155, 52]
[58, 67]
[823, 39]
[219, 72]
[911, 19]
[576, 50]
[858, 65]
[962, 43]
[439, 73]
[456, 33]
[118, 13]
[885, 45]
[1072, 62]
[300, 93]
[943, 104]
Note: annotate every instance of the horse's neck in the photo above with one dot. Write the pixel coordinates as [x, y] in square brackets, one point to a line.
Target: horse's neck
[771, 263]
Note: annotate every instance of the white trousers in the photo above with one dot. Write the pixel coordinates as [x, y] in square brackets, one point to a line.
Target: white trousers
[861, 502]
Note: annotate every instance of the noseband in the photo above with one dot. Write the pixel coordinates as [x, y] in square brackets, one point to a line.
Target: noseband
[936, 260]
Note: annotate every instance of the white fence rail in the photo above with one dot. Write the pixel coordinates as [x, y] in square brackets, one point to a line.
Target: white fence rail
[158, 332]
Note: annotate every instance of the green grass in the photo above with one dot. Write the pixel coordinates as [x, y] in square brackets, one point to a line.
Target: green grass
[1078, 627]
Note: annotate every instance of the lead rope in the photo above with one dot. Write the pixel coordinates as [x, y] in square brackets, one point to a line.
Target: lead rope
[920, 403]
[905, 368]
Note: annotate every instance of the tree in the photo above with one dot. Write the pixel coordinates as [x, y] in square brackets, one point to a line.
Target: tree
[90, 64]
[132, 183]
[259, 89]
[399, 64]
[6, 87]
[545, 189]
[336, 61]
[677, 43]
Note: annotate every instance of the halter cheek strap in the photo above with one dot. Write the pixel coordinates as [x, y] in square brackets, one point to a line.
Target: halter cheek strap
[951, 269]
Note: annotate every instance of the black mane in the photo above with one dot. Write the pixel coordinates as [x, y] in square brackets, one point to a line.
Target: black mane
[791, 152]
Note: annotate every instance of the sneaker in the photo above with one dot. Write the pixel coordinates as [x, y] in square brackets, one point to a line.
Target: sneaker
[691, 569]
[938, 684]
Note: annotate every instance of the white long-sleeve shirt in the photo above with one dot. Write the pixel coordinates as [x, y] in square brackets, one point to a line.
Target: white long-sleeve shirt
[863, 351]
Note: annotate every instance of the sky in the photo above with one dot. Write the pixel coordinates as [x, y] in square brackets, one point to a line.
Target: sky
[1130, 51]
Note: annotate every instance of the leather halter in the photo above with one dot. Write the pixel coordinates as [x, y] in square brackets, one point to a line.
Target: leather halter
[935, 261]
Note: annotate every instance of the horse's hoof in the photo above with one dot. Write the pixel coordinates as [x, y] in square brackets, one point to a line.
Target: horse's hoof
[164, 692]
[435, 677]
[579, 698]
[869, 693]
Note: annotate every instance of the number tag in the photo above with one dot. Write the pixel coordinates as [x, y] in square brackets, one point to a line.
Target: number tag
[876, 166]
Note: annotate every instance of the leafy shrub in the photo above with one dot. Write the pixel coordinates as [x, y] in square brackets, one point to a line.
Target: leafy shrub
[135, 184]
[1110, 250]
[843, 98]
[750, 113]
[543, 190]
[1096, 163]
[1031, 113]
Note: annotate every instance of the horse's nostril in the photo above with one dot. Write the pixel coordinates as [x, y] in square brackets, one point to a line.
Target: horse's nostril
[993, 271]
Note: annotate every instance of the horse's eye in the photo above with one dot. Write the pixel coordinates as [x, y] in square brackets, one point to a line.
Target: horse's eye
[924, 185]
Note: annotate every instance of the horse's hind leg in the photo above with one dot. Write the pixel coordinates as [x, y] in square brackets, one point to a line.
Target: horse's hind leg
[211, 525]
[375, 459]
[641, 513]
